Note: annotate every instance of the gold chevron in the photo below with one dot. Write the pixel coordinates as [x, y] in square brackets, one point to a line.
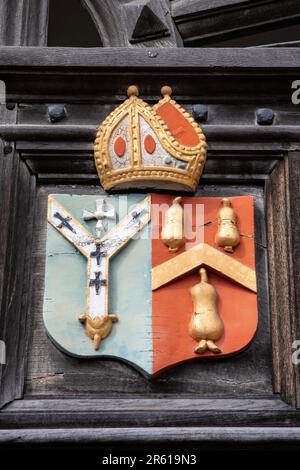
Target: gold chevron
[206, 255]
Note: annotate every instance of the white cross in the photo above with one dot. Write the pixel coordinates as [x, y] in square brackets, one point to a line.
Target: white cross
[98, 251]
[103, 211]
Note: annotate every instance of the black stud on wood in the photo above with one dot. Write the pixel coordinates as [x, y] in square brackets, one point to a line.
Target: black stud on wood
[7, 148]
[200, 112]
[265, 116]
[57, 112]
[148, 26]
[10, 106]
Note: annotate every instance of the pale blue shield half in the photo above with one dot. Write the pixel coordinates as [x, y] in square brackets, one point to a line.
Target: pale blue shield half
[129, 292]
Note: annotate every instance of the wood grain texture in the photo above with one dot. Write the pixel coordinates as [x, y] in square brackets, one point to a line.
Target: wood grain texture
[126, 412]
[156, 438]
[16, 234]
[205, 22]
[196, 75]
[293, 216]
[182, 60]
[87, 132]
[6, 176]
[23, 22]
[218, 114]
[282, 260]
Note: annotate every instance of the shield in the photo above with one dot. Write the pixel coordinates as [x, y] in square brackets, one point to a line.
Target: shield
[128, 277]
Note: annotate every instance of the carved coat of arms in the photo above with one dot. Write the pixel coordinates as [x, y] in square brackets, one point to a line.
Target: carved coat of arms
[152, 276]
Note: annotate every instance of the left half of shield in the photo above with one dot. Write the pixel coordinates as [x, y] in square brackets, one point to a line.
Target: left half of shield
[98, 292]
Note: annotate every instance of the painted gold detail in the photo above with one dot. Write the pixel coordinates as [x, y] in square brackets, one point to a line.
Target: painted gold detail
[203, 255]
[173, 230]
[166, 90]
[227, 236]
[206, 325]
[98, 328]
[136, 173]
[132, 91]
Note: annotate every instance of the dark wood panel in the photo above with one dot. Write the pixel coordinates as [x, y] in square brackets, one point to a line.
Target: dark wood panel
[115, 59]
[157, 438]
[141, 411]
[80, 167]
[205, 22]
[223, 132]
[293, 218]
[218, 114]
[18, 195]
[23, 23]
[282, 216]
[96, 75]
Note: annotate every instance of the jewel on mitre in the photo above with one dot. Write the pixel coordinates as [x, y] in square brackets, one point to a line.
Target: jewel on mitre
[149, 144]
[120, 146]
[159, 147]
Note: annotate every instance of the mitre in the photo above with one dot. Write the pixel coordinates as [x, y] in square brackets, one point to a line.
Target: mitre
[159, 147]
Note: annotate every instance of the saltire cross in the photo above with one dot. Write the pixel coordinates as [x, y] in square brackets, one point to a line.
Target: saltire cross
[64, 222]
[98, 321]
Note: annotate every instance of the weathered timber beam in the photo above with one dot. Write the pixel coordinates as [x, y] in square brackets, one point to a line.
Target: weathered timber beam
[202, 22]
[216, 133]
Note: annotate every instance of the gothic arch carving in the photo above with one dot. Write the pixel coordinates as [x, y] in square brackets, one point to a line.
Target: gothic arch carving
[116, 21]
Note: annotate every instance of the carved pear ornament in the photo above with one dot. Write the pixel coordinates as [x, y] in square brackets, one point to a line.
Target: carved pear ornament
[159, 147]
[206, 325]
[173, 230]
[227, 236]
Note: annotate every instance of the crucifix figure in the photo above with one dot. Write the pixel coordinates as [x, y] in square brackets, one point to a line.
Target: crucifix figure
[102, 213]
[96, 318]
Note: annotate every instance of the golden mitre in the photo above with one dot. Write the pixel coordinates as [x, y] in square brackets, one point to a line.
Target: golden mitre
[159, 147]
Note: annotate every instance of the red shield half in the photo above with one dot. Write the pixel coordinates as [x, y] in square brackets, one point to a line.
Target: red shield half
[172, 305]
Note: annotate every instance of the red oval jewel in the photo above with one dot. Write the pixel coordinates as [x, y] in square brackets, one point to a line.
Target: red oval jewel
[120, 146]
[149, 144]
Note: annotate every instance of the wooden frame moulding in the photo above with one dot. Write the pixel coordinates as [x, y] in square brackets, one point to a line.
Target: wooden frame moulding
[36, 153]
